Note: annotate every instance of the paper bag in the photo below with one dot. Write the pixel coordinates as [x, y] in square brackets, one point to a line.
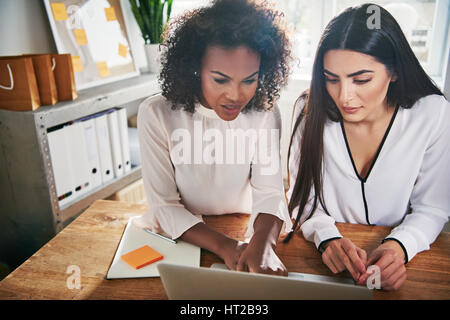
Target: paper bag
[18, 85]
[65, 80]
[42, 64]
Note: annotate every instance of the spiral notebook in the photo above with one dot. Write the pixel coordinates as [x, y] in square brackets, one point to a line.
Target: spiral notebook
[181, 253]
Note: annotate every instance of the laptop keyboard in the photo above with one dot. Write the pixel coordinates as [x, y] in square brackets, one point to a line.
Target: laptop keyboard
[301, 276]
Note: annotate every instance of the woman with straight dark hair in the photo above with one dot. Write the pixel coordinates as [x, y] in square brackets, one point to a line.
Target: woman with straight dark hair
[370, 145]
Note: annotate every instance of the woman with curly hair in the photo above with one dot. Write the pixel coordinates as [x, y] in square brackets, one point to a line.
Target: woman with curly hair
[205, 140]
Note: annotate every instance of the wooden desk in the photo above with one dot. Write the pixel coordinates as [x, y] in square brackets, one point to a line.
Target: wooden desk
[91, 240]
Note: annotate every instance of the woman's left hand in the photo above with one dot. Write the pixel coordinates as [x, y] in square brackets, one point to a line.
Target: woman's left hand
[260, 257]
[390, 259]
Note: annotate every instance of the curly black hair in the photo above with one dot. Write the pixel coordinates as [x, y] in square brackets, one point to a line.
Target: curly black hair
[229, 24]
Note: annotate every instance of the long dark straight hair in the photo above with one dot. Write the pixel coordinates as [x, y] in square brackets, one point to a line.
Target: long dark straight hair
[387, 44]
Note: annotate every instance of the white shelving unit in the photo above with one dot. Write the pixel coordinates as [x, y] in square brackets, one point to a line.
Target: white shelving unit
[29, 212]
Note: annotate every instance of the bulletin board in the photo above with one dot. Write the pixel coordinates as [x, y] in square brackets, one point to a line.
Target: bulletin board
[94, 33]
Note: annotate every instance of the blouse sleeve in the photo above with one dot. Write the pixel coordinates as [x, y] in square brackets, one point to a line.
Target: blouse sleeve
[266, 173]
[430, 198]
[320, 227]
[165, 212]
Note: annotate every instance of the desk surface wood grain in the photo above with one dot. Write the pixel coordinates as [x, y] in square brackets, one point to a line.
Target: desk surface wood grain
[91, 240]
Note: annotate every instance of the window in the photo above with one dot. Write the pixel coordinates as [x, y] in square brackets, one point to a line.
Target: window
[424, 22]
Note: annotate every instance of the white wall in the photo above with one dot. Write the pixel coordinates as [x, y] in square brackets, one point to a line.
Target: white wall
[25, 28]
[134, 36]
[288, 96]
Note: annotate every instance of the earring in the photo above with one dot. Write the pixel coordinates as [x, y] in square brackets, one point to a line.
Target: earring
[260, 85]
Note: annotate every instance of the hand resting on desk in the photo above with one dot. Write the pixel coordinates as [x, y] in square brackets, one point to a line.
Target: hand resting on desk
[342, 254]
[389, 257]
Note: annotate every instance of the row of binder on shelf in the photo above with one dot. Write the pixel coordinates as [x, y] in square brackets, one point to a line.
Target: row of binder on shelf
[89, 152]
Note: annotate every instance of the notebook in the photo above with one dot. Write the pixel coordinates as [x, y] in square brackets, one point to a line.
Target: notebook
[133, 238]
[218, 283]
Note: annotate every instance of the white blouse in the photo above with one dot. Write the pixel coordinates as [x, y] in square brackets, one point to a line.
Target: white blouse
[408, 186]
[198, 164]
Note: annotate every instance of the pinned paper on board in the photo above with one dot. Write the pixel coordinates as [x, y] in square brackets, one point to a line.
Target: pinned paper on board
[110, 14]
[96, 31]
[103, 69]
[59, 11]
[77, 64]
[141, 257]
[123, 50]
[80, 36]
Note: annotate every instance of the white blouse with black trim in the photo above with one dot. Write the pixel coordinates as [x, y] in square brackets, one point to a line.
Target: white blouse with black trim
[407, 186]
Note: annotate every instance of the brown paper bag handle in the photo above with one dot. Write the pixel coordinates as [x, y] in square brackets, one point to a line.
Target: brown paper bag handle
[10, 78]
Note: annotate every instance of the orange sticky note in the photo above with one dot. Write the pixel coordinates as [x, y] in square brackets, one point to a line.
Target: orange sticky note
[141, 257]
[110, 14]
[123, 50]
[80, 35]
[77, 64]
[103, 69]
[59, 11]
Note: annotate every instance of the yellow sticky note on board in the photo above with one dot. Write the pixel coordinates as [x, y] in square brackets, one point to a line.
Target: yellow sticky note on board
[123, 50]
[103, 69]
[77, 64]
[81, 37]
[110, 14]
[59, 11]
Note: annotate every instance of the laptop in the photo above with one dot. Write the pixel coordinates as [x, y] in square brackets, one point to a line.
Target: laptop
[219, 283]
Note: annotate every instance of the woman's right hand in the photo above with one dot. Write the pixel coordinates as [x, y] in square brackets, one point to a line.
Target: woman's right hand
[342, 254]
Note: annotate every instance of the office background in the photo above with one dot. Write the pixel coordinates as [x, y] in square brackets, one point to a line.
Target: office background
[26, 29]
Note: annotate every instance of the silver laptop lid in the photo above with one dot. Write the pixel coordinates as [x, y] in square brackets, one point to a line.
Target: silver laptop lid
[190, 283]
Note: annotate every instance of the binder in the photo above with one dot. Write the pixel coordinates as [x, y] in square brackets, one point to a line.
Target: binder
[90, 135]
[104, 148]
[114, 139]
[135, 152]
[124, 141]
[79, 163]
[59, 155]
